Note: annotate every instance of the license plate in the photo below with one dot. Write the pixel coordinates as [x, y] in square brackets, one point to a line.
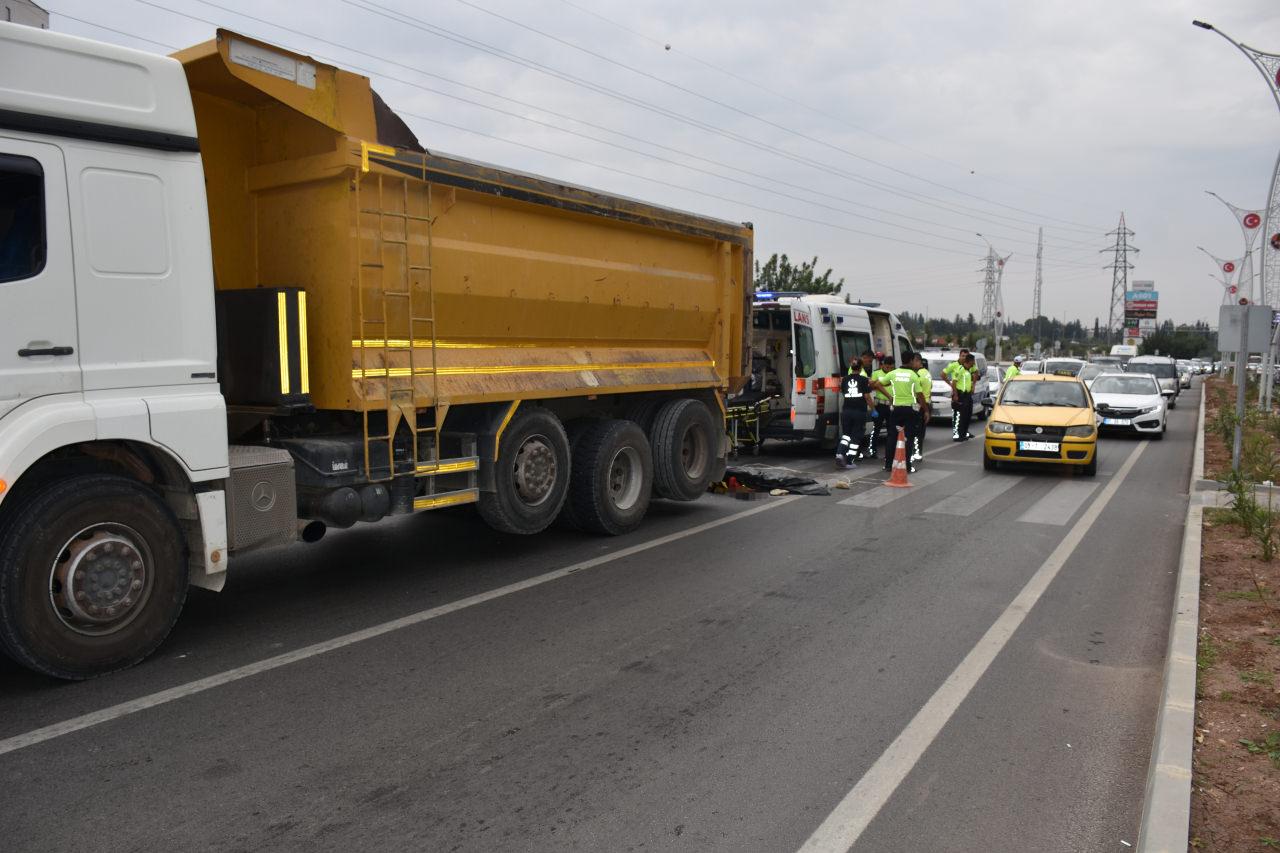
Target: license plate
[1038, 445]
[1117, 422]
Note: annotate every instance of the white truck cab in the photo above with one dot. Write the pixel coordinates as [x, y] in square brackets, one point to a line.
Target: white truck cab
[104, 227]
[801, 345]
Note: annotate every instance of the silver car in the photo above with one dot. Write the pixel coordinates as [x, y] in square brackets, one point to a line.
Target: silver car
[1164, 369]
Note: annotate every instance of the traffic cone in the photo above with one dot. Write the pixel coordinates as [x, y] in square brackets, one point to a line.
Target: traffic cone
[898, 479]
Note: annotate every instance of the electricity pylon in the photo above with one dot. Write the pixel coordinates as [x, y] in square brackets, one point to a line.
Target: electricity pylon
[1119, 267]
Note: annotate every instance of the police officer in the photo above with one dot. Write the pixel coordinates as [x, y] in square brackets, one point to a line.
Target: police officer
[961, 382]
[856, 405]
[880, 427]
[949, 375]
[926, 388]
[1014, 369]
[902, 385]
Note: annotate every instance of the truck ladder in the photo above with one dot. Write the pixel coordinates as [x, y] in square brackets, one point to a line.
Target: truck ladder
[397, 327]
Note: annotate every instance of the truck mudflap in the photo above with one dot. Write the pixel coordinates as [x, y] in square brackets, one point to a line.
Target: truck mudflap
[208, 551]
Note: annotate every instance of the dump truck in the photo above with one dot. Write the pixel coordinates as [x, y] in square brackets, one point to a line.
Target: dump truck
[241, 304]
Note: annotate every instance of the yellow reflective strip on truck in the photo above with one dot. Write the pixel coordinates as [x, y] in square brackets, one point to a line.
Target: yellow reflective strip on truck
[282, 315]
[359, 373]
[302, 341]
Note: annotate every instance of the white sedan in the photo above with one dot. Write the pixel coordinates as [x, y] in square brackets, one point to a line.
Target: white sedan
[1129, 402]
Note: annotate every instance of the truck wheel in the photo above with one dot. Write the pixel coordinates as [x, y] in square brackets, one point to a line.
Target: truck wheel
[684, 449]
[575, 430]
[644, 413]
[531, 475]
[93, 576]
[612, 478]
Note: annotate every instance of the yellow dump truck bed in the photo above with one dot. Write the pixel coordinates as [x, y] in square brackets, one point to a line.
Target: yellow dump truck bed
[444, 280]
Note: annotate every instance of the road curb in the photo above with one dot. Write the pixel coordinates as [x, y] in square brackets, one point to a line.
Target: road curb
[1166, 810]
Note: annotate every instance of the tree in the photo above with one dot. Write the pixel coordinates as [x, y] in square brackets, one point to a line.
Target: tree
[1180, 343]
[779, 274]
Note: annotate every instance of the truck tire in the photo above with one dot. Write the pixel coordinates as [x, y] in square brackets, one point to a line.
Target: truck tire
[644, 413]
[612, 478]
[531, 475]
[684, 438]
[575, 430]
[117, 548]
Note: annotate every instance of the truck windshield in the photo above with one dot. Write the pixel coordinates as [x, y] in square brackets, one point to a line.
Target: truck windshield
[806, 360]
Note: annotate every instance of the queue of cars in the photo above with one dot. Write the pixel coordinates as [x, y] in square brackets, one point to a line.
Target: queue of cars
[1055, 409]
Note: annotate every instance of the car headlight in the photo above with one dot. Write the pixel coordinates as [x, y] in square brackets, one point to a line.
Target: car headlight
[1000, 426]
[1080, 431]
[1149, 409]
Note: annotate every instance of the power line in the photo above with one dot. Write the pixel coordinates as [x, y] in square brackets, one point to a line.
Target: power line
[589, 124]
[755, 84]
[508, 56]
[734, 201]
[110, 29]
[725, 105]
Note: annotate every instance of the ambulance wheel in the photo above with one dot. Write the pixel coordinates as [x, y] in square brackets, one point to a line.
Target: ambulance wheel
[612, 478]
[684, 437]
[93, 575]
[531, 475]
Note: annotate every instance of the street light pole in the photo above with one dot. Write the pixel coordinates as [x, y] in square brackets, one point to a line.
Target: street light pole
[1268, 65]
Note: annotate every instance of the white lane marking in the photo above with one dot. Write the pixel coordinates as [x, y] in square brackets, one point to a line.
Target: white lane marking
[853, 814]
[883, 494]
[974, 496]
[133, 706]
[957, 461]
[1059, 504]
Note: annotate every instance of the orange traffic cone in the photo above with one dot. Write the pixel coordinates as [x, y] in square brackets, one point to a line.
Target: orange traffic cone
[898, 479]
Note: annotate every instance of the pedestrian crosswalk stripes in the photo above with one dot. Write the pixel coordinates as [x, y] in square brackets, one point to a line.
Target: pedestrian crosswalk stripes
[881, 495]
[1056, 507]
[1060, 504]
[975, 496]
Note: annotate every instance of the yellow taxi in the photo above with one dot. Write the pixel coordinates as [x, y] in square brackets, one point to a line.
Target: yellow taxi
[1043, 419]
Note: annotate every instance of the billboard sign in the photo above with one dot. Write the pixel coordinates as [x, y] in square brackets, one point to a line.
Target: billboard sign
[1140, 305]
[1147, 326]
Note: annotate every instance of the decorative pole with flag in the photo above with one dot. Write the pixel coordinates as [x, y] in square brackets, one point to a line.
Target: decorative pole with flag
[1268, 65]
[1227, 269]
[1249, 220]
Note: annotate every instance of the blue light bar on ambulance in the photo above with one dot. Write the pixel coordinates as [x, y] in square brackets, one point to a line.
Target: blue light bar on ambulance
[773, 296]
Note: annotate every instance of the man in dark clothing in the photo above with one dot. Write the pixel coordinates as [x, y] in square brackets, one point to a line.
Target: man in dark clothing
[856, 407]
[880, 426]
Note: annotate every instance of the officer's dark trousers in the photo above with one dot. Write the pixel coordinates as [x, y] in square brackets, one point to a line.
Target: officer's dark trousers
[853, 430]
[908, 419]
[920, 432]
[879, 431]
[962, 416]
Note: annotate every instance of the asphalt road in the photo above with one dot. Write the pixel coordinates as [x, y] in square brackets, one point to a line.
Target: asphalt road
[971, 664]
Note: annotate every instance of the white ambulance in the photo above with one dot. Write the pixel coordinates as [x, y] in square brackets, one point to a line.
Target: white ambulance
[801, 345]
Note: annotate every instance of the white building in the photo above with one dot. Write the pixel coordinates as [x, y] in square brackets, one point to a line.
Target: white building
[24, 12]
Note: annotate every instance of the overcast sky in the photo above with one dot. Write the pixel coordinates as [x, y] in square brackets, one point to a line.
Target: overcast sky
[940, 119]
